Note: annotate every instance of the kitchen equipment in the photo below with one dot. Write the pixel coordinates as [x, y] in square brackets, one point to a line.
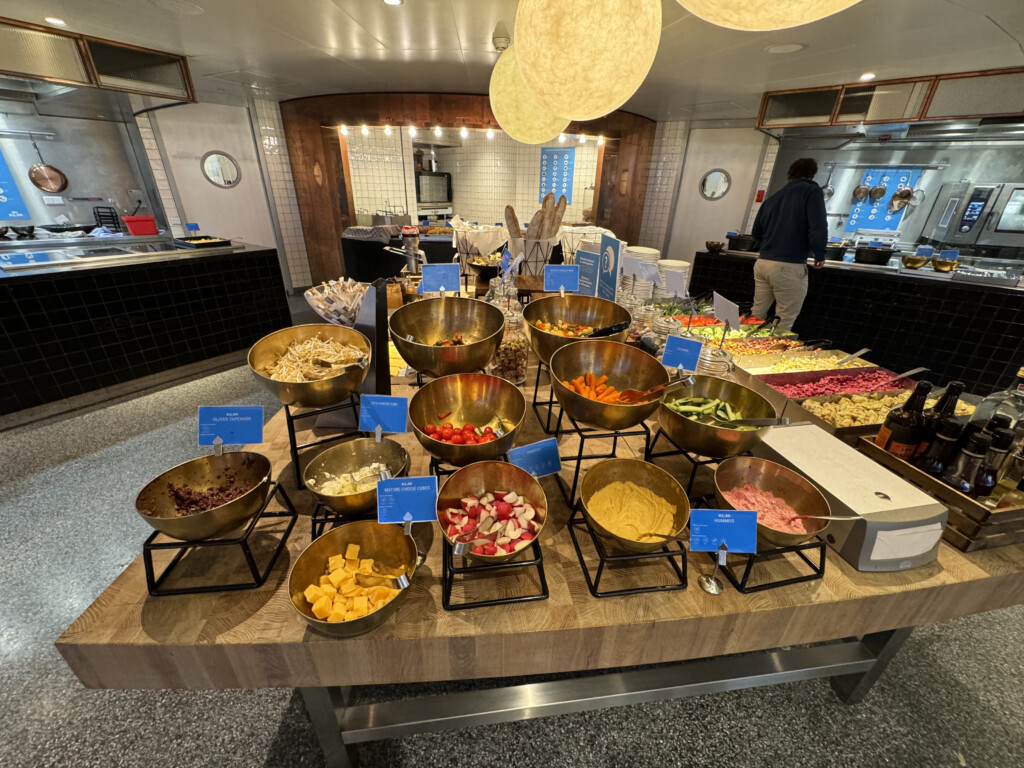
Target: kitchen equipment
[389, 548]
[635, 395]
[416, 327]
[609, 330]
[944, 265]
[141, 225]
[913, 261]
[583, 310]
[899, 526]
[645, 475]
[742, 243]
[871, 255]
[713, 441]
[900, 199]
[351, 456]
[60, 229]
[988, 214]
[782, 482]
[46, 177]
[473, 398]
[433, 187]
[105, 216]
[828, 190]
[835, 252]
[309, 394]
[489, 476]
[877, 192]
[238, 469]
[26, 232]
[714, 246]
[199, 242]
[622, 364]
[861, 191]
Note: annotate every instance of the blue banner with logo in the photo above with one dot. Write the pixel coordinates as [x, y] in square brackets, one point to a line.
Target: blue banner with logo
[12, 207]
[874, 214]
[557, 165]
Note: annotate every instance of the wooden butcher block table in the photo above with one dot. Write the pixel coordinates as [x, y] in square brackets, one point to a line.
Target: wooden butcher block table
[255, 639]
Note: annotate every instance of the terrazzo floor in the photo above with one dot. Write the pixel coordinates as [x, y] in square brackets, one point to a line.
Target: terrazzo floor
[952, 697]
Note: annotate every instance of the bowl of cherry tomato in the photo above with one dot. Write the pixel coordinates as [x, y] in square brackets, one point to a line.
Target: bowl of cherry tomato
[467, 417]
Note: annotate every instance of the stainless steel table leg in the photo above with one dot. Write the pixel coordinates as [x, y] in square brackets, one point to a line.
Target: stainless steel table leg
[852, 689]
[325, 705]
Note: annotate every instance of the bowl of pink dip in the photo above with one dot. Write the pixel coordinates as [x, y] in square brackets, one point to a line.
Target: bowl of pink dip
[776, 493]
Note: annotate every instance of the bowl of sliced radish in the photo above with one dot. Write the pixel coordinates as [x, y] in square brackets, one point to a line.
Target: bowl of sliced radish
[496, 508]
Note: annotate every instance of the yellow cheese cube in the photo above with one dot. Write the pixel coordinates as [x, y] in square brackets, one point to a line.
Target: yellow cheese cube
[352, 564]
[329, 590]
[313, 593]
[322, 608]
[360, 613]
[337, 577]
[351, 615]
[366, 567]
[350, 588]
[336, 562]
[325, 580]
[352, 552]
[342, 603]
[361, 604]
[336, 616]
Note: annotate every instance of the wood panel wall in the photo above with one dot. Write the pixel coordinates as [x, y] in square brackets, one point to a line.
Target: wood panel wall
[324, 195]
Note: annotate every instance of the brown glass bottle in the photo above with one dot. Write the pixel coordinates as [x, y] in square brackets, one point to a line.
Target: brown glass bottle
[944, 408]
[901, 432]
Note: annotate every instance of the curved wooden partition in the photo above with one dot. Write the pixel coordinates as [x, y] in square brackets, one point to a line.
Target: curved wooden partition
[321, 173]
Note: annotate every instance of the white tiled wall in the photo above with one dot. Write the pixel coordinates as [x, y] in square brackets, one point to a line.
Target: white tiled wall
[662, 181]
[382, 171]
[156, 164]
[282, 189]
[763, 179]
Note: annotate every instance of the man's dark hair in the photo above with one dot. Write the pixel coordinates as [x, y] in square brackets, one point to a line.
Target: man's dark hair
[804, 168]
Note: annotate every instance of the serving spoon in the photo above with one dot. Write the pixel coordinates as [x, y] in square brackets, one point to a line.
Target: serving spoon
[635, 396]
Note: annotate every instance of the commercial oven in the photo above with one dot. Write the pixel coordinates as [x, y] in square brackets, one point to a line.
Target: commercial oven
[983, 214]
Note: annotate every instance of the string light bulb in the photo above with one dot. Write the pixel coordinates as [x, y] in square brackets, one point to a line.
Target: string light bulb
[490, 133]
[561, 138]
[464, 132]
[344, 130]
[600, 141]
[583, 139]
[412, 130]
[387, 130]
[364, 130]
[437, 131]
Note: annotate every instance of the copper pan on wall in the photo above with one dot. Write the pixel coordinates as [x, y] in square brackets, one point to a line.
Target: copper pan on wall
[46, 177]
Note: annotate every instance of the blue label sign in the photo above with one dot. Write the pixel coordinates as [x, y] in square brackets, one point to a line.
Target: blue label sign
[925, 250]
[557, 165]
[404, 499]
[868, 214]
[737, 529]
[440, 277]
[590, 272]
[558, 277]
[233, 424]
[506, 259]
[951, 254]
[608, 277]
[191, 226]
[539, 459]
[681, 353]
[12, 207]
[389, 413]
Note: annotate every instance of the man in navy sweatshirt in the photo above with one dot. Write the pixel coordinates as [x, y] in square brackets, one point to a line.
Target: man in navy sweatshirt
[790, 226]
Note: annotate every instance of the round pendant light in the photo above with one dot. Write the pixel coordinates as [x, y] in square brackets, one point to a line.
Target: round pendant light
[517, 111]
[764, 16]
[585, 58]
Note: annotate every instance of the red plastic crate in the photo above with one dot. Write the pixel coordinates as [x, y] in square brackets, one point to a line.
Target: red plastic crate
[141, 225]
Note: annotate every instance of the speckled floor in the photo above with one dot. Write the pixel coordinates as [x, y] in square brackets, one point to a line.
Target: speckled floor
[951, 698]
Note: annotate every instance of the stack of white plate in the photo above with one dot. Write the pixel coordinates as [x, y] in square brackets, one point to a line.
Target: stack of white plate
[643, 289]
[669, 265]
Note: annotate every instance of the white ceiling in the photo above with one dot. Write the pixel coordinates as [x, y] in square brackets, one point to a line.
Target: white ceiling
[309, 47]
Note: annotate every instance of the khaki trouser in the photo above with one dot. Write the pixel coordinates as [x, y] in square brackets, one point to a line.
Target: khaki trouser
[781, 282]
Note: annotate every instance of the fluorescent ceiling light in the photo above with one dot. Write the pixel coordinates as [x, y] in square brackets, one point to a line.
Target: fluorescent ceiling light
[867, 76]
[55, 21]
[785, 48]
[393, 2]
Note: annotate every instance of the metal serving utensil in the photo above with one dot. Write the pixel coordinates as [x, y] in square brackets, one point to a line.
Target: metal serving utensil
[636, 396]
[854, 356]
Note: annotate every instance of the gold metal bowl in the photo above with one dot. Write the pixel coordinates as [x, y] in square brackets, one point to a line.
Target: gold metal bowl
[704, 439]
[490, 476]
[944, 265]
[913, 261]
[350, 456]
[431, 320]
[475, 398]
[714, 245]
[584, 310]
[645, 475]
[626, 368]
[792, 487]
[386, 544]
[310, 394]
[241, 468]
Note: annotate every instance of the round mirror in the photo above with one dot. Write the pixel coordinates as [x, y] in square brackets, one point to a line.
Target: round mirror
[714, 184]
[220, 169]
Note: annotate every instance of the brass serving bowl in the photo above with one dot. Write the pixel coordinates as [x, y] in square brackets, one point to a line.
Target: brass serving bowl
[476, 398]
[350, 456]
[310, 394]
[489, 476]
[714, 245]
[626, 368]
[430, 320]
[386, 544]
[645, 475]
[241, 468]
[913, 261]
[712, 441]
[944, 265]
[792, 487]
[583, 310]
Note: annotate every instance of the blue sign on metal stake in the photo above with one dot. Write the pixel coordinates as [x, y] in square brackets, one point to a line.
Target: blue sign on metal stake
[710, 528]
[561, 277]
[440, 277]
[407, 499]
[681, 353]
[233, 424]
[539, 459]
[389, 413]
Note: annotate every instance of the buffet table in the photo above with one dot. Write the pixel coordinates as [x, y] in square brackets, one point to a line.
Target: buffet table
[255, 638]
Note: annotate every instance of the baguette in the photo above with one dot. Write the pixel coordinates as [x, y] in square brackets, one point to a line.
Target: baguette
[548, 208]
[534, 231]
[512, 223]
[558, 216]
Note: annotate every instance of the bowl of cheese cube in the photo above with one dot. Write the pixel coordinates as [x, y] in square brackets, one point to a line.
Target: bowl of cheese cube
[352, 578]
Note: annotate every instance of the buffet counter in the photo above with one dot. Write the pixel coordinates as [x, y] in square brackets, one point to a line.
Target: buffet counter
[960, 330]
[255, 639]
[82, 325]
